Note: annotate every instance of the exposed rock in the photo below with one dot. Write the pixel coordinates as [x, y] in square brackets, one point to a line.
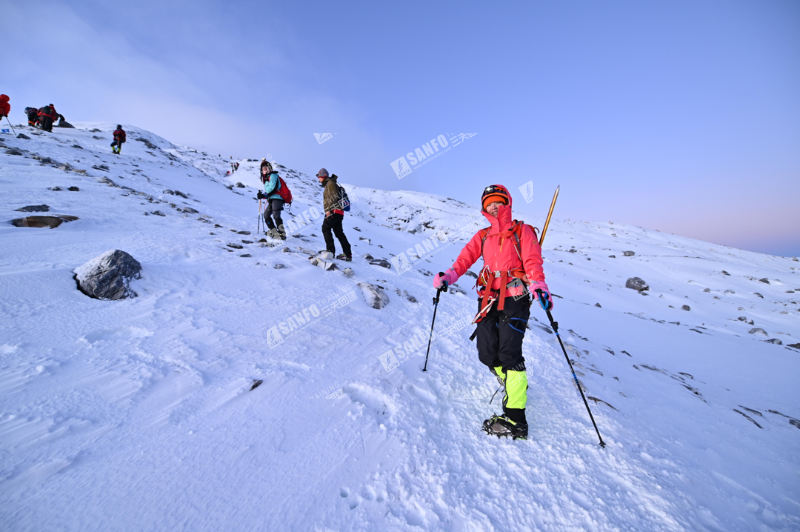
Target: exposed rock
[285, 250]
[374, 295]
[256, 384]
[240, 232]
[795, 346]
[764, 280]
[759, 295]
[77, 147]
[147, 143]
[13, 151]
[74, 189]
[43, 221]
[686, 307]
[189, 210]
[108, 276]
[235, 246]
[55, 189]
[471, 274]
[774, 341]
[381, 262]
[171, 193]
[279, 266]
[367, 256]
[325, 265]
[628, 253]
[247, 241]
[158, 213]
[597, 305]
[758, 330]
[181, 194]
[245, 255]
[101, 167]
[348, 272]
[612, 256]
[23, 136]
[34, 208]
[707, 290]
[239, 185]
[637, 283]
[367, 240]
[725, 273]
[753, 421]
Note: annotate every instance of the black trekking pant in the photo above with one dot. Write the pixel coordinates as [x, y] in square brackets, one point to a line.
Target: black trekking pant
[273, 211]
[118, 145]
[500, 334]
[46, 123]
[333, 222]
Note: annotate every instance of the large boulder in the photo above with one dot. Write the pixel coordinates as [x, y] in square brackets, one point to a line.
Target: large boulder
[637, 283]
[374, 295]
[108, 276]
[43, 221]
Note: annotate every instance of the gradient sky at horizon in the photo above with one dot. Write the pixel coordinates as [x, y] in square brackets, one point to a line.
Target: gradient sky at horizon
[681, 116]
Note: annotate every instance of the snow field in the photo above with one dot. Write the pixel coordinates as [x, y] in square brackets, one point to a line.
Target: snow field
[139, 414]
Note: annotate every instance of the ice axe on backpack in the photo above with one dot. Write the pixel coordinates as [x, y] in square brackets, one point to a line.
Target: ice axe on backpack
[443, 288]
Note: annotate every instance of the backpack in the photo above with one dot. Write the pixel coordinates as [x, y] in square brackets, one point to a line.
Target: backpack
[344, 201]
[284, 192]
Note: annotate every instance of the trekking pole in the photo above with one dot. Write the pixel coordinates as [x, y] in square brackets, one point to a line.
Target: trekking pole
[435, 306]
[549, 214]
[258, 230]
[12, 127]
[554, 324]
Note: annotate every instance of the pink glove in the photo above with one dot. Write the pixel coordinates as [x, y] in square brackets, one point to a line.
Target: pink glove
[449, 277]
[541, 285]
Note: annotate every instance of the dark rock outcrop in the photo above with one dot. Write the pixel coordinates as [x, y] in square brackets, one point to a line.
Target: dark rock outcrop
[108, 276]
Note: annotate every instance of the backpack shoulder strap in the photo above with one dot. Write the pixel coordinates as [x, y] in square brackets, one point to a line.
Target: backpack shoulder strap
[484, 233]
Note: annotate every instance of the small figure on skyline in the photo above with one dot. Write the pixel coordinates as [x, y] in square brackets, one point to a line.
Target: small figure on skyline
[119, 140]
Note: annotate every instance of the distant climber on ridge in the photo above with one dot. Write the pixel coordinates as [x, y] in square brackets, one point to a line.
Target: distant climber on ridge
[33, 116]
[47, 115]
[334, 215]
[512, 261]
[5, 108]
[119, 140]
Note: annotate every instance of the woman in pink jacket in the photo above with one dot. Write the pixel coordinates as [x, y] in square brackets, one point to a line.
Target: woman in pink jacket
[512, 263]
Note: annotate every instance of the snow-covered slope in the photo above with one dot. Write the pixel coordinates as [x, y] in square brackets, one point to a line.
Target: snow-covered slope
[139, 414]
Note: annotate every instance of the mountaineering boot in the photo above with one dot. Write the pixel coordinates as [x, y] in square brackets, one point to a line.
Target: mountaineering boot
[503, 426]
[346, 258]
[273, 233]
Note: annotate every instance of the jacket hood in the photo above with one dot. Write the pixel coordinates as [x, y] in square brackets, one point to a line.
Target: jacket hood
[504, 220]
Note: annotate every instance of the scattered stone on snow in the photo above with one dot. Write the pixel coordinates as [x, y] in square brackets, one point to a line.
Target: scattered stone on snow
[23, 136]
[637, 283]
[758, 330]
[235, 246]
[374, 295]
[74, 189]
[34, 208]
[381, 262]
[348, 272]
[43, 221]
[686, 307]
[629, 253]
[764, 280]
[108, 276]
[775, 341]
[239, 185]
[13, 151]
[279, 266]
[158, 213]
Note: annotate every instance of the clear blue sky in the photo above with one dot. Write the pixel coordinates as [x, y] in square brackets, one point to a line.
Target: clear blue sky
[682, 116]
